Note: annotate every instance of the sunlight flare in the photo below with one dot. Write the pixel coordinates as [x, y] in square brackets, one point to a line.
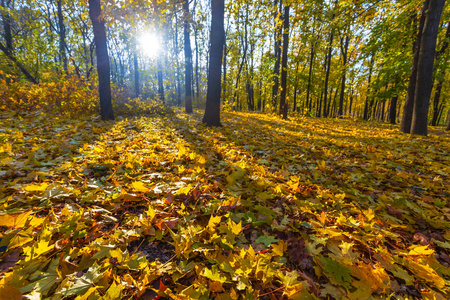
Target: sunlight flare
[149, 44]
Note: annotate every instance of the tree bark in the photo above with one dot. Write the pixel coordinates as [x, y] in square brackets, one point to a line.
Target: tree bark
[425, 64]
[284, 61]
[241, 65]
[344, 57]
[437, 96]
[103, 68]
[7, 33]
[137, 86]
[308, 88]
[448, 121]
[188, 60]
[277, 55]
[62, 36]
[440, 78]
[212, 111]
[294, 108]
[393, 110]
[327, 75]
[405, 125]
[176, 50]
[366, 104]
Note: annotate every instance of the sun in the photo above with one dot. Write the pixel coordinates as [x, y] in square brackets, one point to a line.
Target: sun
[149, 44]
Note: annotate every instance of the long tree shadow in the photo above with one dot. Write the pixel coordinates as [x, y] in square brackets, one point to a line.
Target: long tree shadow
[359, 159]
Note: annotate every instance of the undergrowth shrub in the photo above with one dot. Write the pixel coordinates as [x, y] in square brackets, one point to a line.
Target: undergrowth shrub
[66, 96]
[138, 106]
[69, 96]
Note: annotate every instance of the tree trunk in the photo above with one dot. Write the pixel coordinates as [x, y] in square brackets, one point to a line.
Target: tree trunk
[137, 88]
[344, 57]
[225, 53]
[212, 111]
[425, 68]
[393, 110]
[197, 59]
[295, 90]
[178, 83]
[437, 96]
[328, 66]
[244, 42]
[103, 69]
[448, 121]
[405, 125]
[188, 60]
[277, 55]
[440, 77]
[7, 33]
[284, 60]
[308, 88]
[366, 104]
[62, 36]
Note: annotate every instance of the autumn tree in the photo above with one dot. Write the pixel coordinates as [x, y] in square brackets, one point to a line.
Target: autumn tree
[103, 68]
[424, 80]
[284, 63]
[212, 111]
[188, 59]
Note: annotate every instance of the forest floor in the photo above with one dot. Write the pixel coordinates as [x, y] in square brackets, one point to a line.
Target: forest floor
[157, 207]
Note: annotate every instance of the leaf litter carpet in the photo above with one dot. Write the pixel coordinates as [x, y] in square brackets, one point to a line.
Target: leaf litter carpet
[162, 207]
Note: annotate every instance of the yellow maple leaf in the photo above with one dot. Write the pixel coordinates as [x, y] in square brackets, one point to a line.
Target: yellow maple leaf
[420, 250]
[139, 187]
[213, 221]
[36, 187]
[279, 248]
[14, 220]
[425, 272]
[235, 227]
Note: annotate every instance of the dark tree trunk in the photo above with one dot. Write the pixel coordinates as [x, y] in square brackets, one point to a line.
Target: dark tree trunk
[225, 53]
[440, 77]
[284, 61]
[160, 75]
[328, 66]
[137, 87]
[277, 55]
[425, 64]
[320, 100]
[250, 96]
[212, 111]
[197, 60]
[103, 69]
[366, 104]
[308, 88]
[62, 36]
[405, 125]
[244, 42]
[351, 103]
[188, 60]
[178, 83]
[448, 120]
[7, 33]
[441, 110]
[437, 96]
[393, 110]
[344, 57]
[295, 90]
